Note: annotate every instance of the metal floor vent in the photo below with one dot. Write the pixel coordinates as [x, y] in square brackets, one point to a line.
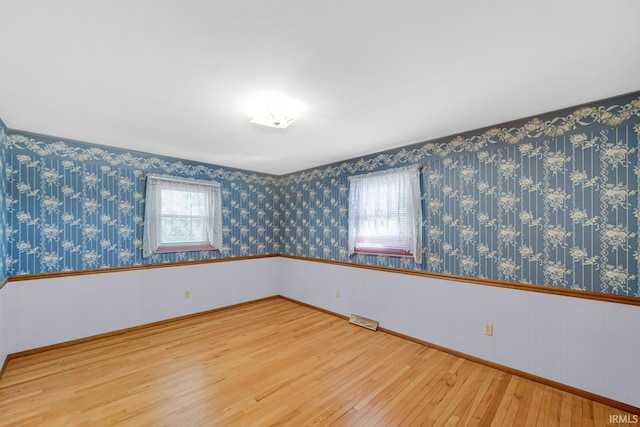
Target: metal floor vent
[364, 322]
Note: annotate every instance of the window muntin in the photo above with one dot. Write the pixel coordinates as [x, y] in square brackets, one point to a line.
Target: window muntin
[181, 215]
[385, 213]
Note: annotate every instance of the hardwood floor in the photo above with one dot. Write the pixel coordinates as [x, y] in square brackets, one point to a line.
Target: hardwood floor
[274, 362]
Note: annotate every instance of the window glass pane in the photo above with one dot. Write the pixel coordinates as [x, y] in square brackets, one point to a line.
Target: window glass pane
[181, 215]
[177, 202]
[181, 230]
[383, 212]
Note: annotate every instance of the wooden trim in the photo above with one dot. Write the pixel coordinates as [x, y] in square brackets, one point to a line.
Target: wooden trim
[597, 296]
[544, 381]
[370, 250]
[560, 386]
[4, 282]
[184, 247]
[133, 267]
[131, 329]
[618, 299]
[333, 313]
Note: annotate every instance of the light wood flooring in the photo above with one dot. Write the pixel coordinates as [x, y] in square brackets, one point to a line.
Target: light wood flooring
[273, 362]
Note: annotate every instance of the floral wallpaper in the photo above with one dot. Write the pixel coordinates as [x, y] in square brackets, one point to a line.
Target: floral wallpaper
[74, 206]
[549, 201]
[3, 206]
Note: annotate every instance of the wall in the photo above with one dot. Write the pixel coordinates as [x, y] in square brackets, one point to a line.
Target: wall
[3, 247]
[550, 201]
[3, 201]
[590, 345]
[55, 310]
[76, 206]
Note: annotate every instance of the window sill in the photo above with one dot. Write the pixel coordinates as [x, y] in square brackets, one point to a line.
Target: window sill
[184, 247]
[369, 250]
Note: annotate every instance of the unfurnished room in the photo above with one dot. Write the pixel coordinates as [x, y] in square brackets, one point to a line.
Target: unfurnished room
[357, 213]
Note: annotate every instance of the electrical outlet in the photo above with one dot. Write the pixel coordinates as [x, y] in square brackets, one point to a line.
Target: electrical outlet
[488, 329]
[187, 294]
[337, 293]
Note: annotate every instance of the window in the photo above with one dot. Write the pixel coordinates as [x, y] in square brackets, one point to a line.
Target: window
[385, 214]
[181, 215]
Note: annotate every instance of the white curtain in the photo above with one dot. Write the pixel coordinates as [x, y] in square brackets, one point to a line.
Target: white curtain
[385, 211]
[210, 190]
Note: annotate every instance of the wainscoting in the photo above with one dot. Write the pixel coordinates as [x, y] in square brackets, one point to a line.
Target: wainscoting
[39, 313]
[275, 362]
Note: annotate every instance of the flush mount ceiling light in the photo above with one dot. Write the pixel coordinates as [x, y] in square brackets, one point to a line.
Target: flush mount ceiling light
[275, 110]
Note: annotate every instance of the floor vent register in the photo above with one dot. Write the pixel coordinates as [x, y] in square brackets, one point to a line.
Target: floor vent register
[364, 322]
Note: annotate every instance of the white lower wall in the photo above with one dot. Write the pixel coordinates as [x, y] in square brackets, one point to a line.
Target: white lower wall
[50, 311]
[4, 343]
[590, 345]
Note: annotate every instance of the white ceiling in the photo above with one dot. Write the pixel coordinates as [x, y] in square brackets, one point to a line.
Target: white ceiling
[174, 77]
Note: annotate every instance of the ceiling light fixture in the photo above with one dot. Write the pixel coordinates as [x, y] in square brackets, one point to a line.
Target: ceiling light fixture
[275, 110]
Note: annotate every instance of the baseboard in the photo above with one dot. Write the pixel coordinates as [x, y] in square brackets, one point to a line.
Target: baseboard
[333, 313]
[541, 380]
[545, 381]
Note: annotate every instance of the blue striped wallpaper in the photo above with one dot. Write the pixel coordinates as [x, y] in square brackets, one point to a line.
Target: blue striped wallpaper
[3, 206]
[549, 201]
[74, 206]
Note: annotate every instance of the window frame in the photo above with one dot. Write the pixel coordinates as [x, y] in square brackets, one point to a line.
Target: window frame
[411, 213]
[152, 227]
